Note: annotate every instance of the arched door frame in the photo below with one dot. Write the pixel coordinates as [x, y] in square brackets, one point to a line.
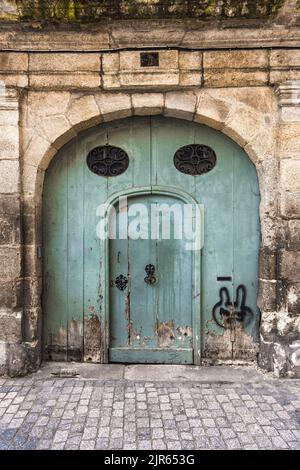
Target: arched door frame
[255, 138]
[196, 268]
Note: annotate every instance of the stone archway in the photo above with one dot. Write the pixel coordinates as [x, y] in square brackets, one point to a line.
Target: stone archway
[53, 119]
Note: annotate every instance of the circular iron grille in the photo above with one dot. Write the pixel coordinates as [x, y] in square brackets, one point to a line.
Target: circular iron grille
[107, 160]
[195, 159]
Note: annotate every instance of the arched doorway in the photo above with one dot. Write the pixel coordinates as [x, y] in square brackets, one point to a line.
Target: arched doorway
[78, 272]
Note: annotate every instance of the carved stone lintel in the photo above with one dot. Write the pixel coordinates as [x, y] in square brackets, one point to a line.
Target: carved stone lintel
[288, 93]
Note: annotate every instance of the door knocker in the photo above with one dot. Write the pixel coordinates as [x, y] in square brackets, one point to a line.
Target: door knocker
[150, 278]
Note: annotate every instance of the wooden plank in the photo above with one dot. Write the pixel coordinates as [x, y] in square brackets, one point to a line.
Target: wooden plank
[143, 296]
[95, 193]
[55, 264]
[75, 162]
[119, 299]
[148, 356]
[175, 266]
[246, 235]
[214, 191]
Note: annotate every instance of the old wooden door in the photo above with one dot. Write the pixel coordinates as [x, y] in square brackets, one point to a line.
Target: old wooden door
[151, 289]
[85, 318]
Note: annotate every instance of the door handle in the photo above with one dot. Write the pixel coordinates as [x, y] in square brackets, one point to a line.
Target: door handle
[150, 278]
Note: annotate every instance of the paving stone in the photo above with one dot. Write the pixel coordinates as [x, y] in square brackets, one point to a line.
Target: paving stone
[279, 443]
[202, 443]
[144, 445]
[87, 445]
[101, 444]
[116, 444]
[233, 444]
[89, 415]
[158, 444]
[157, 433]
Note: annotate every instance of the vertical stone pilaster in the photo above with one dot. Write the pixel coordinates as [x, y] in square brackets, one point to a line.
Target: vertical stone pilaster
[12, 355]
[281, 327]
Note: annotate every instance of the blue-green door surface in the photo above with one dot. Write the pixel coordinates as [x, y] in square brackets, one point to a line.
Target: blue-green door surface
[180, 318]
[151, 318]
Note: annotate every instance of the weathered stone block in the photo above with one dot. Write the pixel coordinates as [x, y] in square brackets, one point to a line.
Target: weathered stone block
[9, 141]
[22, 358]
[40, 151]
[58, 62]
[293, 235]
[268, 175]
[57, 130]
[267, 299]
[288, 140]
[290, 114]
[293, 298]
[29, 229]
[17, 79]
[11, 294]
[242, 125]
[211, 110]
[10, 262]
[180, 105]
[11, 328]
[290, 175]
[151, 80]
[190, 60]
[290, 205]
[110, 62]
[65, 81]
[284, 58]
[262, 146]
[235, 59]
[147, 103]
[13, 62]
[280, 76]
[45, 103]
[234, 78]
[289, 265]
[114, 105]
[267, 264]
[33, 324]
[9, 176]
[32, 221]
[32, 264]
[82, 109]
[32, 292]
[9, 117]
[9, 230]
[190, 79]
[33, 179]
[9, 204]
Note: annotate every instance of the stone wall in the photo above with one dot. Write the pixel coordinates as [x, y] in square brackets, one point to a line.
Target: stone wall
[46, 98]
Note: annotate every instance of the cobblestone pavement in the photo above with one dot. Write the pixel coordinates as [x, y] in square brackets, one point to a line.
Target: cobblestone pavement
[76, 413]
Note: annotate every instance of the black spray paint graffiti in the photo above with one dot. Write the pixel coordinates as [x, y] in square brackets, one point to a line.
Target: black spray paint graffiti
[226, 311]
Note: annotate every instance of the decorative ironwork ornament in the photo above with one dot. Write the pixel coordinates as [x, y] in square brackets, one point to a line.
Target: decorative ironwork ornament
[107, 160]
[121, 282]
[195, 159]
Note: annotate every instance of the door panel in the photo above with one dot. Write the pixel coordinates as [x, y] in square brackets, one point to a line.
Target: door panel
[157, 318]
